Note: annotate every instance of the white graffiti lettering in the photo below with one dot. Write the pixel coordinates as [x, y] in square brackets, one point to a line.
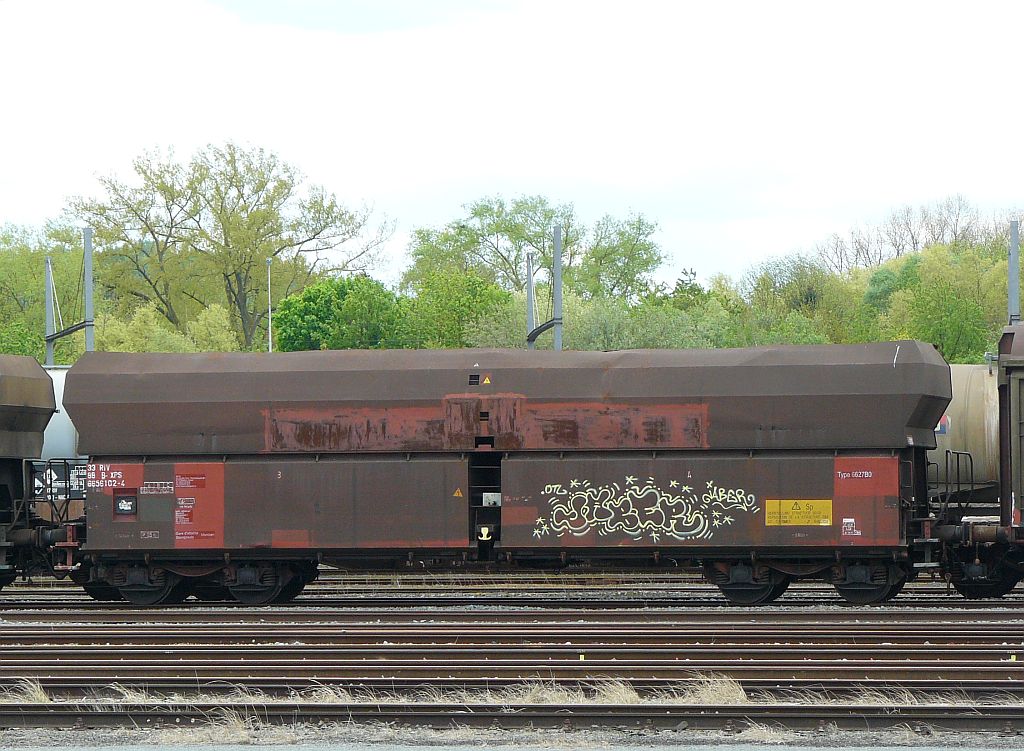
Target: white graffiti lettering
[642, 510]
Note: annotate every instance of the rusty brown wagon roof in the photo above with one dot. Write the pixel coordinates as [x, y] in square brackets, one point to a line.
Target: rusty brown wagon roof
[878, 395]
[26, 404]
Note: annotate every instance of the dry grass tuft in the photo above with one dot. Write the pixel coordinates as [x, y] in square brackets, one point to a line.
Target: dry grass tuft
[705, 689]
[615, 692]
[227, 726]
[890, 696]
[757, 732]
[134, 695]
[531, 692]
[25, 691]
[321, 694]
[883, 697]
[237, 695]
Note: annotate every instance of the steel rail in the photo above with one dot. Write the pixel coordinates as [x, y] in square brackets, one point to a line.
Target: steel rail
[541, 654]
[604, 603]
[418, 612]
[505, 668]
[986, 691]
[565, 716]
[989, 636]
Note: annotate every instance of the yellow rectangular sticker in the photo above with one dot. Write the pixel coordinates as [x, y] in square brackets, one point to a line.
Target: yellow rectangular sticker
[798, 513]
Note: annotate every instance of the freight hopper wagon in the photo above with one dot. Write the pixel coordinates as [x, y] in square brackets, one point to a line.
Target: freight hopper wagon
[234, 475]
[26, 405]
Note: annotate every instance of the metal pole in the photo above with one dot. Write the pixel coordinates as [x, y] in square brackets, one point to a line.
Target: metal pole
[90, 327]
[1013, 298]
[50, 328]
[530, 322]
[556, 283]
[270, 313]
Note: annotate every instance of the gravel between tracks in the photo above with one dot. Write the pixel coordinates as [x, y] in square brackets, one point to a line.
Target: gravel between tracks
[383, 736]
[235, 729]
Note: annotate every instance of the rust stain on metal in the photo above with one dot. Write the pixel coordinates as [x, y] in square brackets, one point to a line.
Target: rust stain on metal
[342, 428]
[511, 420]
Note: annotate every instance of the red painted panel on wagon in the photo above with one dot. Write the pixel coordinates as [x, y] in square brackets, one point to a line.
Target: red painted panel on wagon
[198, 505]
[867, 499]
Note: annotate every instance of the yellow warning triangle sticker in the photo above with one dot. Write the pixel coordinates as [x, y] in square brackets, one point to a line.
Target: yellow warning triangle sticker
[487, 379]
[457, 493]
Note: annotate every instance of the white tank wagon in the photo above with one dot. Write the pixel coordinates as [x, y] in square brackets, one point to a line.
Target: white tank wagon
[965, 461]
[60, 441]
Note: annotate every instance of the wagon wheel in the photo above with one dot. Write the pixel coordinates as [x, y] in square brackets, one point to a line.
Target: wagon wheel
[260, 587]
[896, 589]
[865, 594]
[163, 590]
[292, 589]
[748, 592]
[987, 589]
[102, 592]
[179, 593]
[779, 589]
[880, 586]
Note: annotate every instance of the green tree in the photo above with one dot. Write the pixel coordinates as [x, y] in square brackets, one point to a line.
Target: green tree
[590, 324]
[793, 328]
[900, 273]
[146, 331]
[601, 326]
[345, 313]
[955, 325]
[664, 326]
[615, 258]
[368, 316]
[142, 230]
[786, 296]
[304, 320]
[719, 324]
[191, 234]
[23, 253]
[16, 339]
[687, 291]
[956, 300]
[619, 259]
[211, 331]
[493, 239]
[504, 326]
[444, 304]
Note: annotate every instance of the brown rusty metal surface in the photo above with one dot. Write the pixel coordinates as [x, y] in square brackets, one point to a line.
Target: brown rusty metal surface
[836, 396]
[513, 422]
[290, 504]
[700, 501]
[26, 404]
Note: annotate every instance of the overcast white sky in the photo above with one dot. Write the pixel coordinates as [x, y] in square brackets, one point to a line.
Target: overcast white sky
[745, 130]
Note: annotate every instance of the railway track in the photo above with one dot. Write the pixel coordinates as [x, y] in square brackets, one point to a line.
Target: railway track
[728, 718]
[806, 596]
[799, 666]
